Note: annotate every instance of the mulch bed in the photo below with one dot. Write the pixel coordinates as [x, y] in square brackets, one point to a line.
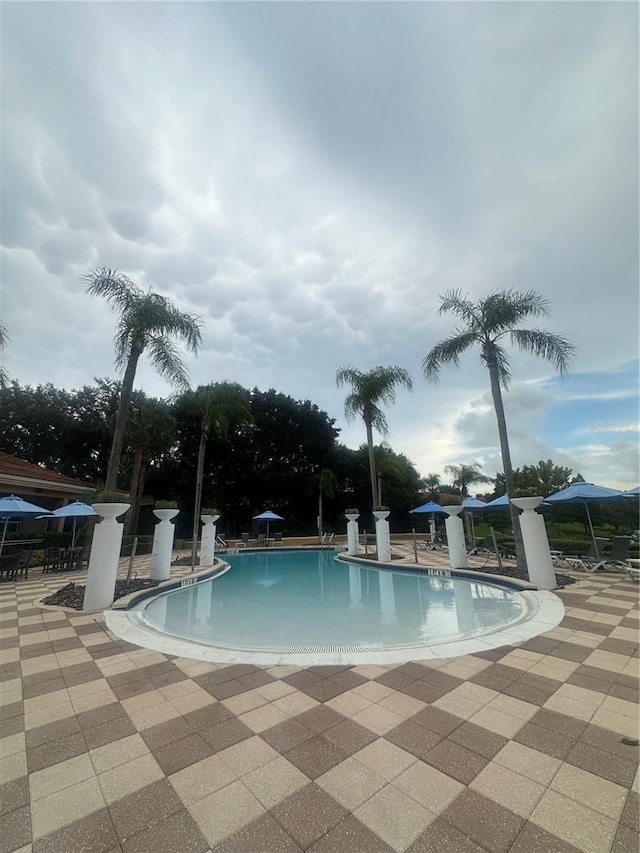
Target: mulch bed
[511, 572]
[72, 595]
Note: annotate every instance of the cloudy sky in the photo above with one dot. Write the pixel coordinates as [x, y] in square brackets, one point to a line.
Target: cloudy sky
[310, 177]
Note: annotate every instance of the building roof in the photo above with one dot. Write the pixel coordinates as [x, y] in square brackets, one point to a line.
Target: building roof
[14, 470]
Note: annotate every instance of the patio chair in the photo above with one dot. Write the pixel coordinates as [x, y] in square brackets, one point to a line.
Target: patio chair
[22, 565]
[616, 559]
[220, 543]
[9, 565]
[51, 560]
[244, 540]
[484, 547]
[277, 539]
[261, 541]
[575, 561]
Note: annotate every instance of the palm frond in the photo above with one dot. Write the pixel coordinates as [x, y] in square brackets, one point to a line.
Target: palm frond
[493, 354]
[554, 348]
[167, 360]
[458, 303]
[375, 416]
[114, 286]
[446, 352]
[503, 309]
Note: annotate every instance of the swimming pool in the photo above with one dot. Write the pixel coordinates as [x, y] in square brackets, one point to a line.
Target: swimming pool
[286, 606]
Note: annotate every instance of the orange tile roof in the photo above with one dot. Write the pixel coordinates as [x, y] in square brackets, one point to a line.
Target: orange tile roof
[14, 467]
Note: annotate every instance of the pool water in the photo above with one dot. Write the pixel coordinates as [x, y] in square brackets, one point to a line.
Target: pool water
[295, 601]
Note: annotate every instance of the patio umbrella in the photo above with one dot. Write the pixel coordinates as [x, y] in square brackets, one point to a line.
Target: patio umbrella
[11, 506]
[635, 491]
[431, 507]
[497, 503]
[268, 516]
[586, 493]
[469, 504]
[74, 510]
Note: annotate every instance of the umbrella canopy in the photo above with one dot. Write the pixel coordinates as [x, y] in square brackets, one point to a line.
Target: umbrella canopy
[635, 491]
[11, 506]
[497, 503]
[473, 503]
[585, 493]
[268, 516]
[74, 510]
[432, 506]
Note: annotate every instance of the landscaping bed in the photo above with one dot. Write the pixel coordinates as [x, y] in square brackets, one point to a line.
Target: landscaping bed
[72, 595]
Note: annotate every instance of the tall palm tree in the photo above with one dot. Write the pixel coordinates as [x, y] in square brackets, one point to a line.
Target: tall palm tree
[219, 406]
[367, 391]
[4, 340]
[487, 323]
[147, 321]
[465, 475]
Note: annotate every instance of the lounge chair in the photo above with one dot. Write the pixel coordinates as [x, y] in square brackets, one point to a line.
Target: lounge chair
[329, 540]
[244, 540]
[220, 543]
[575, 560]
[438, 543]
[616, 559]
[261, 542]
[484, 547]
[277, 539]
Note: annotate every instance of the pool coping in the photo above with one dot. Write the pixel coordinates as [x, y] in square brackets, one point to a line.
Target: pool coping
[125, 621]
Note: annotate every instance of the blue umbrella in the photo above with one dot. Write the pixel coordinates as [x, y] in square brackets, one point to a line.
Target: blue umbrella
[497, 503]
[74, 510]
[11, 506]
[635, 491]
[268, 516]
[583, 493]
[432, 506]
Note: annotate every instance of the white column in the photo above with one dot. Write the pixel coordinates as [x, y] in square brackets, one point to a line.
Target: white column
[162, 545]
[352, 533]
[105, 553]
[387, 598]
[383, 543]
[208, 545]
[536, 543]
[455, 537]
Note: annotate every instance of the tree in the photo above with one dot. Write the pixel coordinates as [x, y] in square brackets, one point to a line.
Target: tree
[327, 483]
[219, 406]
[544, 479]
[147, 322]
[463, 476]
[4, 340]
[487, 323]
[367, 391]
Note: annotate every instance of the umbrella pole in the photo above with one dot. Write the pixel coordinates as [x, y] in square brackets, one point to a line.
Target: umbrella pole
[4, 533]
[73, 535]
[593, 535]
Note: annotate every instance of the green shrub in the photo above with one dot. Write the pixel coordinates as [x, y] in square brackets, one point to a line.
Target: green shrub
[166, 505]
[110, 498]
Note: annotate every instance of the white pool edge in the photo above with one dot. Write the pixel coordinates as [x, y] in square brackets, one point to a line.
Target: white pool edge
[548, 609]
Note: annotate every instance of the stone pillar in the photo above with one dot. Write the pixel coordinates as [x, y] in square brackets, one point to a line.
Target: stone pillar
[105, 553]
[352, 533]
[208, 545]
[536, 543]
[383, 543]
[162, 545]
[455, 537]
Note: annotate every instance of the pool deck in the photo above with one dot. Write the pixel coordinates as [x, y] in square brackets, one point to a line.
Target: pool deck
[109, 747]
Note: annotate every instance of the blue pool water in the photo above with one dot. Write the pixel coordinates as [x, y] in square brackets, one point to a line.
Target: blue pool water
[307, 601]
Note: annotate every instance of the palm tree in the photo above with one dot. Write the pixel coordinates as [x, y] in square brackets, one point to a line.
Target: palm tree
[487, 323]
[464, 476]
[147, 321]
[219, 406]
[327, 483]
[367, 391]
[4, 340]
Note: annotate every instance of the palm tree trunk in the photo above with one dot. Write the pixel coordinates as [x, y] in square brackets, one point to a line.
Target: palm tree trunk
[204, 435]
[134, 493]
[121, 421]
[372, 465]
[496, 393]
